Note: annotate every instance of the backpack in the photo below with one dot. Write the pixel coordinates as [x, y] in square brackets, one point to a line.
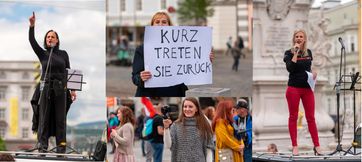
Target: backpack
[147, 133]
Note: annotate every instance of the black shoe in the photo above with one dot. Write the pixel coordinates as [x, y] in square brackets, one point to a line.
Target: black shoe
[61, 149]
[42, 150]
[317, 153]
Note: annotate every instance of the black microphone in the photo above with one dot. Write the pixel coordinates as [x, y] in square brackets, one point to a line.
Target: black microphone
[296, 49]
[341, 41]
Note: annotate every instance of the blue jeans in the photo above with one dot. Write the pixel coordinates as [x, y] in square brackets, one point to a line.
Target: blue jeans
[248, 154]
[143, 147]
[157, 151]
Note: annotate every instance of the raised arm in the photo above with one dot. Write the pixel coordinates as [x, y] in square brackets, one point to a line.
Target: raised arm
[34, 44]
[32, 20]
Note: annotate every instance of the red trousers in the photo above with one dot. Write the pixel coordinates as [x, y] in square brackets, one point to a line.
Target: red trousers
[293, 95]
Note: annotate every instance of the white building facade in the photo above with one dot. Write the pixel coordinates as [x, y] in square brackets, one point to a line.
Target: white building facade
[342, 22]
[17, 85]
[126, 20]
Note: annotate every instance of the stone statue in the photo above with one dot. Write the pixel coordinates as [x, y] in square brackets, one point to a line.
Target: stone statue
[319, 43]
[278, 9]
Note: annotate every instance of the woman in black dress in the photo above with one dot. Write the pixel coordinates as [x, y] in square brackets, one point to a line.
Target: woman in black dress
[50, 108]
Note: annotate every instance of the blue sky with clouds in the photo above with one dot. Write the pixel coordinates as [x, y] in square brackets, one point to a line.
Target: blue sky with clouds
[16, 12]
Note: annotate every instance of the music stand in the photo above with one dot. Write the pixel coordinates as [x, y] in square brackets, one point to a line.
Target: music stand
[75, 80]
[355, 78]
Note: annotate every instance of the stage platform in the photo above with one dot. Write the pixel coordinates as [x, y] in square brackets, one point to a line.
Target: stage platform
[287, 157]
[35, 156]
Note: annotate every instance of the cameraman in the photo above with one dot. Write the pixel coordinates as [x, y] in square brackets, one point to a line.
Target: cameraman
[243, 127]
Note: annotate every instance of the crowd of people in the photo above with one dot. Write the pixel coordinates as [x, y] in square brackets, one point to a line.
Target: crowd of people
[212, 132]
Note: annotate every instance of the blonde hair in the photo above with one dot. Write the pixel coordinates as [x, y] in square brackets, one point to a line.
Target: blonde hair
[159, 14]
[304, 50]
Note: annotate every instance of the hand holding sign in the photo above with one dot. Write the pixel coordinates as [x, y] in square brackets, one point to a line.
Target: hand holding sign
[212, 56]
[145, 75]
[178, 54]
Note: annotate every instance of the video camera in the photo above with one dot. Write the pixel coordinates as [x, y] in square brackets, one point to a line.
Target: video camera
[170, 112]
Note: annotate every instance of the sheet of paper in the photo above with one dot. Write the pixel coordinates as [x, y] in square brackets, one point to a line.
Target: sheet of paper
[311, 81]
[75, 79]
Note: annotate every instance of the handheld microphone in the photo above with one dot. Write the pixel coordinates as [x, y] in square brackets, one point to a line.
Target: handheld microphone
[341, 41]
[296, 49]
[52, 45]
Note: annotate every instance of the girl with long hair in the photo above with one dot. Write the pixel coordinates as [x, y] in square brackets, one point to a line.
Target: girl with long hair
[191, 131]
[224, 131]
[123, 136]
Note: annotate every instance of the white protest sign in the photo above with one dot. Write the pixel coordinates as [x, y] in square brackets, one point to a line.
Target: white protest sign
[177, 54]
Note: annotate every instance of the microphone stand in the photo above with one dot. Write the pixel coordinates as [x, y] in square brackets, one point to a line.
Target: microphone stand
[46, 77]
[337, 87]
[41, 87]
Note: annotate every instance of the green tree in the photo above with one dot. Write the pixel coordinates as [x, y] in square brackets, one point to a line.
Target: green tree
[194, 12]
[2, 145]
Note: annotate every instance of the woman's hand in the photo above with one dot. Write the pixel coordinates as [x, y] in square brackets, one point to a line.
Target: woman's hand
[296, 48]
[73, 95]
[113, 133]
[314, 75]
[241, 148]
[212, 56]
[32, 20]
[295, 52]
[167, 123]
[145, 75]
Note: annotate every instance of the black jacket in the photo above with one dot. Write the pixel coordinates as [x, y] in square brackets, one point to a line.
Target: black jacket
[297, 75]
[138, 66]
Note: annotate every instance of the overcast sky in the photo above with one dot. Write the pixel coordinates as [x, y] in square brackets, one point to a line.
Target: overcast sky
[81, 29]
[317, 3]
